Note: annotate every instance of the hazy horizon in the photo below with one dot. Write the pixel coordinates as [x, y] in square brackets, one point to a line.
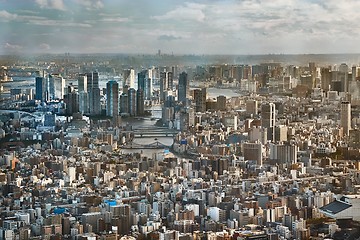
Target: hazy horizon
[199, 27]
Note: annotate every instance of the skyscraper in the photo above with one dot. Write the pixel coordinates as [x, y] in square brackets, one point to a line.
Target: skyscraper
[200, 100]
[183, 90]
[94, 93]
[268, 119]
[71, 100]
[325, 79]
[129, 78]
[345, 117]
[56, 86]
[141, 79]
[112, 99]
[82, 83]
[343, 77]
[40, 88]
[140, 102]
[132, 102]
[166, 83]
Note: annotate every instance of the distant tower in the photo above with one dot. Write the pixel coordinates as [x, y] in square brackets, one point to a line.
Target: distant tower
[71, 100]
[343, 75]
[163, 84]
[39, 88]
[132, 101]
[183, 90]
[82, 83]
[140, 102]
[345, 117]
[268, 119]
[200, 100]
[94, 93]
[129, 78]
[112, 99]
[325, 79]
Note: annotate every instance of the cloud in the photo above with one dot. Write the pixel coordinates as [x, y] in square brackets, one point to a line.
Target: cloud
[51, 4]
[189, 12]
[12, 47]
[115, 19]
[58, 23]
[91, 4]
[168, 38]
[44, 46]
[6, 16]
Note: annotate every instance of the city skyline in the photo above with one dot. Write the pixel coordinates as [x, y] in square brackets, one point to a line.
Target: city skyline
[191, 27]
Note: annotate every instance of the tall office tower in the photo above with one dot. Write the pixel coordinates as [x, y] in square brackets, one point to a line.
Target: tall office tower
[268, 119]
[345, 117]
[168, 110]
[56, 86]
[71, 100]
[221, 103]
[141, 79]
[145, 83]
[252, 107]
[183, 88]
[253, 151]
[129, 78]
[326, 79]
[124, 103]
[343, 77]
[82, 83]
[132, 101]
[148, 89]
[40, 88]
[84, 102]
[94, 93]
[112, 99]
[354, 72]
[170, 78]
[166, 83]
[200, 100]
[140, 109]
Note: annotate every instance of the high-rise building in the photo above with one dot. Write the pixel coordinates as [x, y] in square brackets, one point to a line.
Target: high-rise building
[183, 88]
[141, 79]
[140, 102]
[268, 119]
[221, 103]
[325, 79]
[40, 88]
[82, 83]
[71, 100]
[124, 103]
[253, 151]
[94, 93]
[56, 86]
[252, 107]
[132, 101]
[200, 99]
[129, 78]
[343, 77]
[112, 99]
[166, 83]
[345, 117]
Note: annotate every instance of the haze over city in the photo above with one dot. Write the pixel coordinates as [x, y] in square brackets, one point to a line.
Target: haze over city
[179, 27]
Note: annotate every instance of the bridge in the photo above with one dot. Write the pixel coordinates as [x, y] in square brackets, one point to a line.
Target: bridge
[154, 145]
[154, 132]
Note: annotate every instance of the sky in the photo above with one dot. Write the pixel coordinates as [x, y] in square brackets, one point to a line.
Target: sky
[179, 27]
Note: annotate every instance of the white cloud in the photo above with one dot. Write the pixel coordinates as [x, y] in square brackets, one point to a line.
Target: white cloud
[51, 4]
[44, 46]
[189, 12]
[115, 19]
[12, 47]
[6, 16]
[57, 23]
[91, 4]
